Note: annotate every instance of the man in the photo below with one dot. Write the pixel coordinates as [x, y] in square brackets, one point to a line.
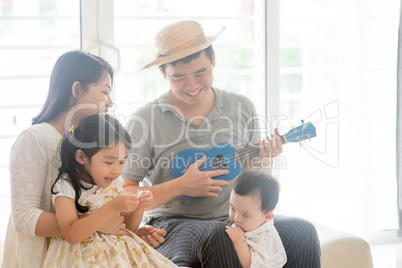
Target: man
[195, 115]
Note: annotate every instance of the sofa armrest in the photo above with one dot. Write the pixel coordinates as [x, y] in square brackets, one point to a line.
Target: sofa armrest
[343, 250]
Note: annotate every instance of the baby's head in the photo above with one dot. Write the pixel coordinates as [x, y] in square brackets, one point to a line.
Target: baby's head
[253, 199]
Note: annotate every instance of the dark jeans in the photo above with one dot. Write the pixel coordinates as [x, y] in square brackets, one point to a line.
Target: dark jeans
[201, 243]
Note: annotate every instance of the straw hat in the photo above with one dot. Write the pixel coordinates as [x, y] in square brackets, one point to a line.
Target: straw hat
[179, 40]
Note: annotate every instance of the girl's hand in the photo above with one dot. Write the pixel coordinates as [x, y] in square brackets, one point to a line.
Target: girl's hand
[236, 234]
[125, 202]
[146, 198]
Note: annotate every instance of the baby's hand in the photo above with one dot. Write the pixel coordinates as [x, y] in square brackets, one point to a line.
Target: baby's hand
[126, 202]
[146, 198]
[236, 234]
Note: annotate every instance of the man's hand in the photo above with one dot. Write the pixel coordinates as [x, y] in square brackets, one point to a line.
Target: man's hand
[200, 183]
[269, 148]
[152, 236]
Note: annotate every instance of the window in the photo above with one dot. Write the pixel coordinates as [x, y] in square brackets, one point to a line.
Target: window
[240, 64]
[33, 34]
[240, 49]
[329, 62]
[338, 69]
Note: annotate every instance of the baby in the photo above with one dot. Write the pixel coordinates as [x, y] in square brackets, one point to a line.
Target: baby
[255, 239]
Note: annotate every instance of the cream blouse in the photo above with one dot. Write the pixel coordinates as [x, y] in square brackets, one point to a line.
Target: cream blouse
[34, 163]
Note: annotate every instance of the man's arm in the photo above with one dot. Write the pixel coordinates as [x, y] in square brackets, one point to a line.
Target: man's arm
[163, 192]
[193, 183]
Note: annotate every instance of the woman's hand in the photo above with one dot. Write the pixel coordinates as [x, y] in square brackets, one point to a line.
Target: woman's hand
[152, 236]
[114, 225]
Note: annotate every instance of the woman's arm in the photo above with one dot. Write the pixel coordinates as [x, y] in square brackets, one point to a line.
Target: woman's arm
[76, 229]
[30, 161]
[113, 225]
[47, 225]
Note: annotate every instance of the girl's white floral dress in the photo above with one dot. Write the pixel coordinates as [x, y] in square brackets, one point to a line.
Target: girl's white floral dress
[101, 250]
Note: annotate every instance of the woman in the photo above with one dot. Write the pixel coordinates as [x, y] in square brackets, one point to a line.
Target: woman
[80, 85]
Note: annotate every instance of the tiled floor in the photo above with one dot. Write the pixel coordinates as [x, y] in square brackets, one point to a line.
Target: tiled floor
[387, 255]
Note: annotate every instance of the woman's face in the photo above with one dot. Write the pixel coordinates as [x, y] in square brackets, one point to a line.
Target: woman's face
[95, 100]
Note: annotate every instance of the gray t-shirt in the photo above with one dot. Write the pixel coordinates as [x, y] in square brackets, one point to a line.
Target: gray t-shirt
[159, 133]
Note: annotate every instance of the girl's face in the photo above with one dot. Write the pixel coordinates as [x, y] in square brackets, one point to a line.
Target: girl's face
[107, 164]
[95, 100]
[245, 212]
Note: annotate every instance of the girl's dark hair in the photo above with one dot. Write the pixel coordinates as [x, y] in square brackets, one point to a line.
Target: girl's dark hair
[93, 133]
[258, 183]
[71, 67]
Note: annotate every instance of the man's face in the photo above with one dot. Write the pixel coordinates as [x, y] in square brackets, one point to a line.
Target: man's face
[190, 83]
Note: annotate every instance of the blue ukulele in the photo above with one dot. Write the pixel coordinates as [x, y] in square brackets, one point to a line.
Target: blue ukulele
[225, 156]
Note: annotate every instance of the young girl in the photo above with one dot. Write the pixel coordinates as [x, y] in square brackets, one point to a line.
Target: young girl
[88, 191]
[255, 239]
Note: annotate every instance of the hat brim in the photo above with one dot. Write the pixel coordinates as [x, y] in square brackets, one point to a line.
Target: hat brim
[184, 53]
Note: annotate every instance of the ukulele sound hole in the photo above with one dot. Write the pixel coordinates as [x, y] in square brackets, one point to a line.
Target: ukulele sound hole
[217, 162]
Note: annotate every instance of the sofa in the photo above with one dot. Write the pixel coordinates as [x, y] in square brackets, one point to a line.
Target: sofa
[338, 249]
[343, 250]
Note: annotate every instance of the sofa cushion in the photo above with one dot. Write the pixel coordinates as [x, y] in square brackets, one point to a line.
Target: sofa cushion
[342, 250]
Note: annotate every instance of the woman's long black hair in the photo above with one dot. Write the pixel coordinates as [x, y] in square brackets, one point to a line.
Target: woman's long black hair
[73, 66]
[93, 133]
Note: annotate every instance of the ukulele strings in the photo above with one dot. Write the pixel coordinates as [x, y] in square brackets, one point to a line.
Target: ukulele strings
[253, 150]
[249, 151]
